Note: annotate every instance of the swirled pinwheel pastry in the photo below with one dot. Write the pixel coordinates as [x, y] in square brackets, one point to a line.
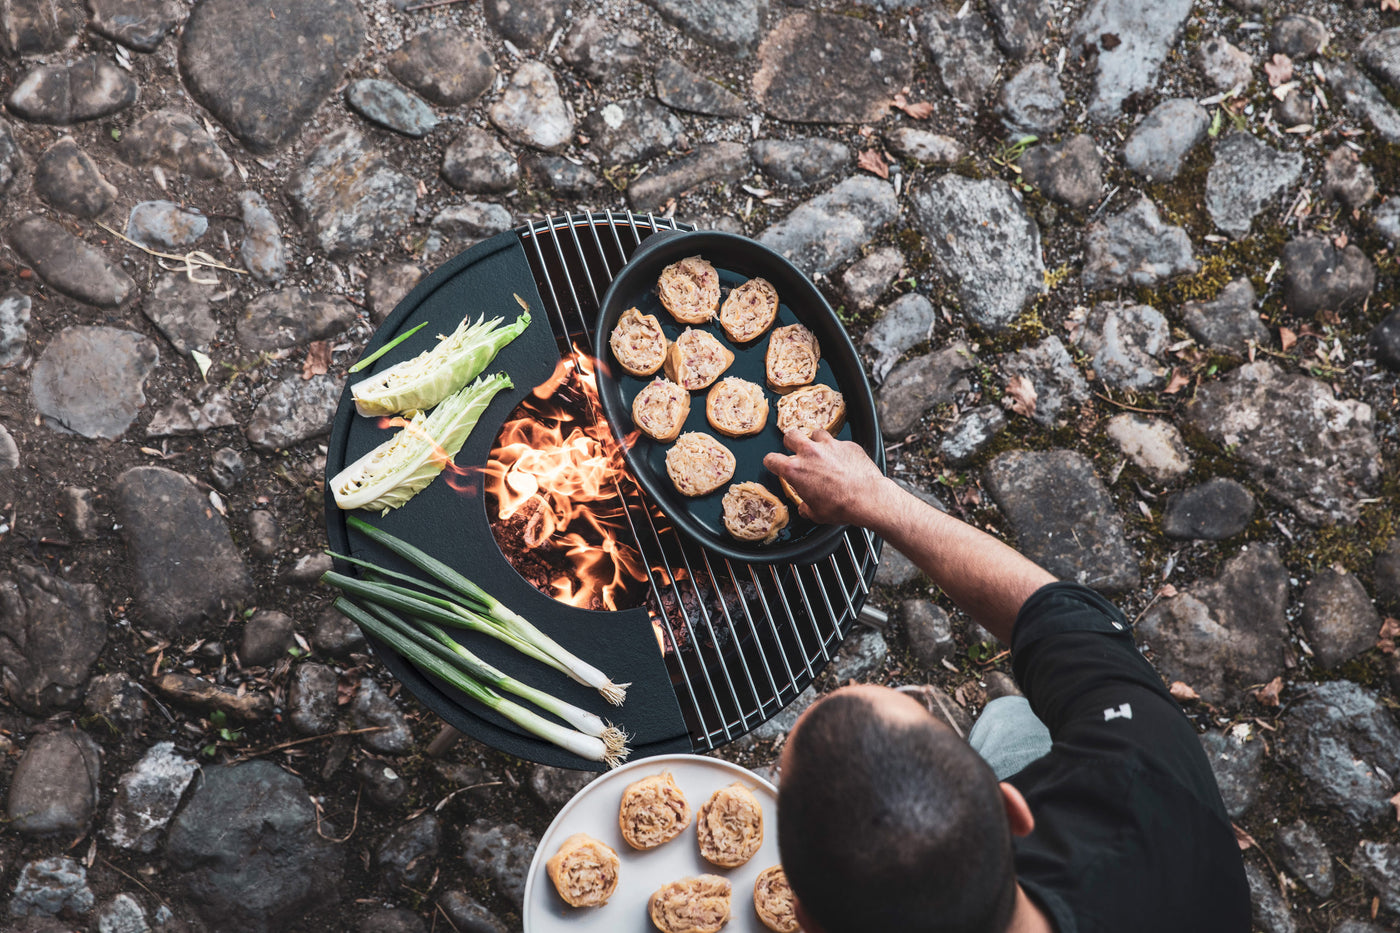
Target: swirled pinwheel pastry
[691, 905]
[584, 871]
[812, 407]
[773, 901]
[698, 464]
[696, 359]
[730, 826]
[653, 811]
[689, 289]
[749, 310]
[736, 407]
[638, 342]
[791, 361]
[660, 409]
[752, 513]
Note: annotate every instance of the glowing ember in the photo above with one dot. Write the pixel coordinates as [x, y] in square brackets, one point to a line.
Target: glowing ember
[555, 467]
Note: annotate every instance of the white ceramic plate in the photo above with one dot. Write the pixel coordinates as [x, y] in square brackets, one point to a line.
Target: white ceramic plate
[594, 811]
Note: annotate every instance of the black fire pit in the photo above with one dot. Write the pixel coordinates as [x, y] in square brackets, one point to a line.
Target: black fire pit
[738, 641]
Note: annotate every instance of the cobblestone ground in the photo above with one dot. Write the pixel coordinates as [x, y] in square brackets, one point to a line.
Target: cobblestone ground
[1123, 272]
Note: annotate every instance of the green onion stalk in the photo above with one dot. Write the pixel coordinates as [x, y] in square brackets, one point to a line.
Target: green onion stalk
[435, 652]
[481, 611]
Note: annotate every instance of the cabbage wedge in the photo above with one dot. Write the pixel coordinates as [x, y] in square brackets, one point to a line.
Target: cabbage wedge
[396, 470]
[433, 375]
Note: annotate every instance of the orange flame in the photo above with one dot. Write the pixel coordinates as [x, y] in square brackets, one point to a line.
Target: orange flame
[564, 469]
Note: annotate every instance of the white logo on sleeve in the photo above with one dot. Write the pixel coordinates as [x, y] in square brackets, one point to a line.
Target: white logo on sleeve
[1124, 711]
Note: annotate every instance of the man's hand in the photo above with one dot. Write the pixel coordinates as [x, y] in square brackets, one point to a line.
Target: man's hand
[837, 480]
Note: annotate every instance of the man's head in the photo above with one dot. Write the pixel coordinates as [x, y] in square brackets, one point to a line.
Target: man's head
[891, 822]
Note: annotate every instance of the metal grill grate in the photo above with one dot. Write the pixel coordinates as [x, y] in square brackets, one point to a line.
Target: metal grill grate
[742, 640]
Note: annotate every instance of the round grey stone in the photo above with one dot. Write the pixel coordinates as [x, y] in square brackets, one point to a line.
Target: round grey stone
[964, 53]
[1295, 109]
[79, 513]
[557, 786]
[291, 317]
[1135, 247]
[1235, 757]
[1306, 856]
[1379, 864]
[1347, 179]
[527, 23]
[708, 162]
[632, 130]
[447, 66]
[1228, 323]
[973, 433]
[824, 68]
[1247, 176]
[1145, 32]
[1268, 908]
[557, 174]
[11, 157]
[226, 468]
[266, 637]
[35, 27]
[262, 250]
[54, 632]
[264, 534]
[68, 178]
[476, 161]
[915, 387]
[349, 197]
[1223, 64]
[373, 707]
[1339, 618]
[262, 68]
[1318, 276]
[1298, 36]
[862, 654]
[730, 25]
[384, 786]
[117, 699]
[871, 276]
[1217, 509]
[90, 380]
[1033, 101]
[1124, 342]
[1070, 172]
[390, 106]
[69, 265]
[147, 797]
[1057, 381]
[311, 699]
[928, 632]
[500, 853]
[14, 326]
[139, 25]
[408, 855]
[1340, 737]
[800, 161]
[468, 915]
[923, 146]
[165, 225]
[531, 111]
[336, 635]
[1155, 149]
[89, 88]
[54, 786]
[906, 323]
[602, 51]
[9, 451]
[682, 89]
[175, 141]
[48, 887]
[122, 914]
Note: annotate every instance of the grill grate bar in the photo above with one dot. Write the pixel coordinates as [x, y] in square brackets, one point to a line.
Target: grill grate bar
[747, 696]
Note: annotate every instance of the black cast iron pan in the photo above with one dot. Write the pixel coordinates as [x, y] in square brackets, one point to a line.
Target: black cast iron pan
[736, 259]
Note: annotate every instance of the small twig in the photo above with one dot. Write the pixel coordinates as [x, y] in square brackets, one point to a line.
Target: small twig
[446, 738]
[114, 868]
[439, 910]
[428, 6]
[191, 259]
[437, 808]
[1145, 411]
[354, 820]
[314, 738]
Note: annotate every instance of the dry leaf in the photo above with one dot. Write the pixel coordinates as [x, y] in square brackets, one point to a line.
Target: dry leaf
[1395, 802]
[1166, 591]
[1340, 241]
[920, 111]
[1020, 396]
[1286, 339]
[1177, 382]
[1279, 69]
[1182, 692]
[318, 359]
[1268, 694]
[1385, 641]
[1242, 838]
[874, 163]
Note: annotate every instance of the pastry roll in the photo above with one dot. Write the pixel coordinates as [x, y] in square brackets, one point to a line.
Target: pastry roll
[584, 871]
[749, 310]
[696, 359]
[752, 513]
[736, 407]
[699, 464]
[812, 407]
[730, 826]
[691, 905]
[689, 289]
[773, 901]
[793, 354]
[661, 409]
[638, 342]
[653, 811]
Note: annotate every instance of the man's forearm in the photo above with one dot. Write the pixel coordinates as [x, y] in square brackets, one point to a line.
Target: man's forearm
[986, 579]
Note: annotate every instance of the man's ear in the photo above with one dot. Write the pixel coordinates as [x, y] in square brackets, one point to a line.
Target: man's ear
[1018, 812]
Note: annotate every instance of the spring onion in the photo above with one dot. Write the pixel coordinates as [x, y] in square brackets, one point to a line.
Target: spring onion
[466, 672]
[490, 610]
[396, 470]
[386, 348]
[435, 374]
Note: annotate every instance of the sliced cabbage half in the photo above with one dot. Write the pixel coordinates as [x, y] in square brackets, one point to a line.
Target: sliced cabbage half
[433, 375]
[395, 471]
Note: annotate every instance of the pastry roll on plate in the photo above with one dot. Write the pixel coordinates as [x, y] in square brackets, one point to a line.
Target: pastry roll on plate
[730, 826]
[691, 905]
[736, 407]
[653, 811]
[699, 464]
[749, 310]
[773, 901]
[812, 407]
[660, 409]
[638, 342]
[696, 359]
[752, 513]
[584, 871]
[791, 361]
[689, 289]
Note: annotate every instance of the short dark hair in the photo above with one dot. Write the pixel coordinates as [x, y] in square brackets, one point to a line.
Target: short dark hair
[889, 825]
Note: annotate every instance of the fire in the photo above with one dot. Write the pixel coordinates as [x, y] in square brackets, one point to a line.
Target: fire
[459, 478]
[558, 467]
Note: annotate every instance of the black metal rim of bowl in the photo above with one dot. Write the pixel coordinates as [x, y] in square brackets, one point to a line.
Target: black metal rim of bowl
[742, 255]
